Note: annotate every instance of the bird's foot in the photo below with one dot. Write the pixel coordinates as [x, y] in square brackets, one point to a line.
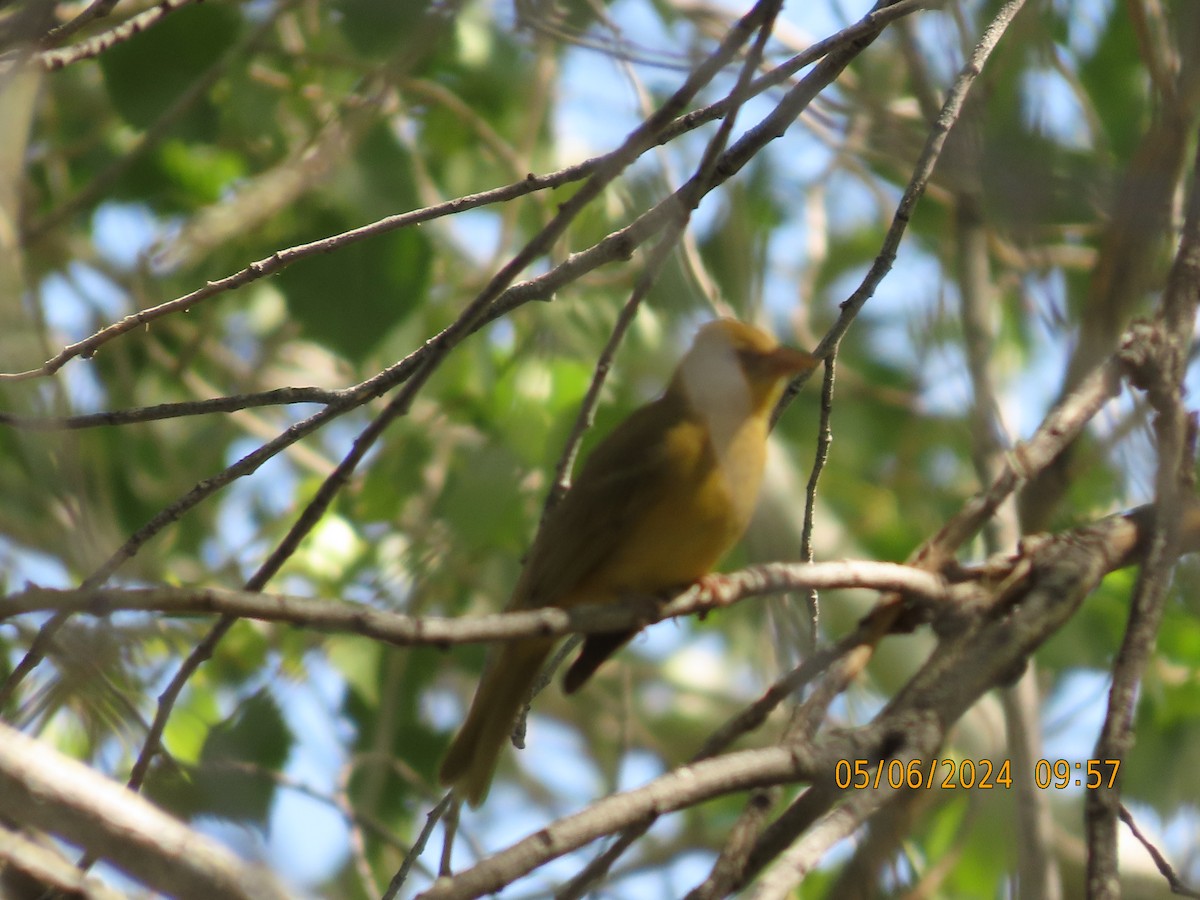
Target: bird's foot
[715, 586]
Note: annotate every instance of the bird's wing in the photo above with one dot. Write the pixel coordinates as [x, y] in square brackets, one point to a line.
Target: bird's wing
[620, 479]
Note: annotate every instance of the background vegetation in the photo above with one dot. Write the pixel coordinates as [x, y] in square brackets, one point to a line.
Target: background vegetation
[314, 299]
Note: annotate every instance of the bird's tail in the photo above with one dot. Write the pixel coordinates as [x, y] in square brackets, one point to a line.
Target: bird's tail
[471, 760]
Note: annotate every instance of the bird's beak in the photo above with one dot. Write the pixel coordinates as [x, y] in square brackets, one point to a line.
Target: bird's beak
[785, 361]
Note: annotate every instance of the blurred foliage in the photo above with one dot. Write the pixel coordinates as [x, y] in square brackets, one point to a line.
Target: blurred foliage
[230, 130]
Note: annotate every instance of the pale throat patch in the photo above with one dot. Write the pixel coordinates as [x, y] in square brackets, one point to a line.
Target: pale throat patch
[718, 391]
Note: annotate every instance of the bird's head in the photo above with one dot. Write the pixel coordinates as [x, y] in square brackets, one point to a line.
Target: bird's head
[737, 369]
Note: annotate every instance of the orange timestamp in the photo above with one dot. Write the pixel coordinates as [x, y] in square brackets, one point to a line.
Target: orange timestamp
[983, 774]
[860, 774]
[1089, 774]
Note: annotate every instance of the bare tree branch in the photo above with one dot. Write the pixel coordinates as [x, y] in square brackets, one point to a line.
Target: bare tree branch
[25, 860]
[276, 397]
[402, 630]
[44, 789]
[683, 787]
[93, 47]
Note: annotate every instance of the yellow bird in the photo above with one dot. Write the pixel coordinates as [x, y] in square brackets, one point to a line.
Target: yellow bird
[657, 504]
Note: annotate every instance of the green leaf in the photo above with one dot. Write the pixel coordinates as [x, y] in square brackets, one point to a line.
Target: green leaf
[149, 73]
[1115, 79]
[479, 501]
[380, 27]
[348, 301]
[218, 785]
[202, 172]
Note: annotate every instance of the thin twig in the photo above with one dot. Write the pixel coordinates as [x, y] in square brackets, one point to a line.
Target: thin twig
[820, 457]
[94, 46]
[740, 841]
[587, 407]
[800, 857]
[97, 9]
[1176, 883]
[233, 403]
[431, 820]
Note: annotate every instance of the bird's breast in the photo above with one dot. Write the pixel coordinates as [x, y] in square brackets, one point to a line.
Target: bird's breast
[699, 509]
